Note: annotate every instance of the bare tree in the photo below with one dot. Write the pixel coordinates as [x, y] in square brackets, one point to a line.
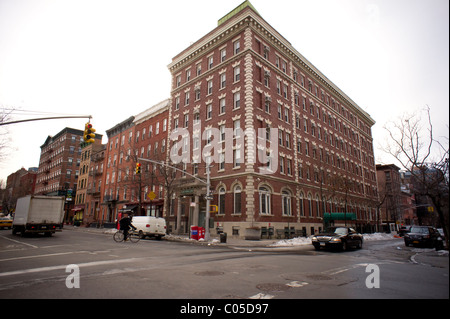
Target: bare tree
[5, 116]
[414, 148]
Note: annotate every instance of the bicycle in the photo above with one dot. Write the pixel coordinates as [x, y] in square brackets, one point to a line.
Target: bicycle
[133, 236]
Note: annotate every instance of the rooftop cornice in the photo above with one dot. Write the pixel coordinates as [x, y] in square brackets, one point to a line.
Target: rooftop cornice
[152, 111]
[248, 17]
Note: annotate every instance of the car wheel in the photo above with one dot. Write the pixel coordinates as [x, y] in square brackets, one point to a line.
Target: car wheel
[344, 246]
[359, 244]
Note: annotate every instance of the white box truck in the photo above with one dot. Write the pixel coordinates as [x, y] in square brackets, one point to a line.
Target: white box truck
[38, 214]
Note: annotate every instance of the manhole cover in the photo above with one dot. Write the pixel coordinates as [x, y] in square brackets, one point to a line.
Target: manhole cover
[209, 273]
[272, 287]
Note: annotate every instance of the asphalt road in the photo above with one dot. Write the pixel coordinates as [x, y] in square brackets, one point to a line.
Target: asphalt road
[37, 267]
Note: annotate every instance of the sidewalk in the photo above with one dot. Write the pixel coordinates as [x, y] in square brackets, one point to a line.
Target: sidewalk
[431, 257]
[237, 243]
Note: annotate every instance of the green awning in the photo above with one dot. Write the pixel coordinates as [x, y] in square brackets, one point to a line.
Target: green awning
[339, 216]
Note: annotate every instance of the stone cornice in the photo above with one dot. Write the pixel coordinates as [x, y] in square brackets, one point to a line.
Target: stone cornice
[248, 17]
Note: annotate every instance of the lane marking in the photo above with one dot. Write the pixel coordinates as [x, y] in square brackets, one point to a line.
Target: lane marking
[297, 284]
[50, 268]
[45, 255]
[19, 242]
[261, 296]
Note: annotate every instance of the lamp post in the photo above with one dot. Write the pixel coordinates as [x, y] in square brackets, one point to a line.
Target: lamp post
[208, 199]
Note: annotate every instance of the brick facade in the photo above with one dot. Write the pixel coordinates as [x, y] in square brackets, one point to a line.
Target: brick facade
[245, 75]
[59, 166]
[143, 135]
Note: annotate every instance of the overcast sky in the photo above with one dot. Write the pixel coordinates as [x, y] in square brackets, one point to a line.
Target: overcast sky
[108, 58]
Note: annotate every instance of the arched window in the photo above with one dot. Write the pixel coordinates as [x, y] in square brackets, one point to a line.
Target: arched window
[310, 205]
[237, 199]
[264, 201]
[302, 205]
[286, 203]
[221, 201]
[318, 206]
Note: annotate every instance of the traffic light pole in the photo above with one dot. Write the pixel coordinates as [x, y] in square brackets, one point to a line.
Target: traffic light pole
[49, 118]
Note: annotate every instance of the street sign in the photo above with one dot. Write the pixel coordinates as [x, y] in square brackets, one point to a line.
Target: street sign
[151, 196]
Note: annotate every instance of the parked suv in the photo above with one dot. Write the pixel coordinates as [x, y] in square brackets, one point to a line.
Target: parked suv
[425, 236]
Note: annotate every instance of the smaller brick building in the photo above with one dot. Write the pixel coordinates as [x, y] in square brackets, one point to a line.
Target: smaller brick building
[59, 166]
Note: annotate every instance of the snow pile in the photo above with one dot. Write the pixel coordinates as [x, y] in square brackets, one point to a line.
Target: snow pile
[302, 241]
[378, 236]
[179, 238]
[298, 241]
[110, 231]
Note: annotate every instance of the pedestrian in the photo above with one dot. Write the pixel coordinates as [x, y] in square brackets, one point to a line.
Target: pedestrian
[125, 225]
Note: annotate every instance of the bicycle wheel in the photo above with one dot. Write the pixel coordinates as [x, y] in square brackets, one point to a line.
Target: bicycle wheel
[134, 237]
[118, 236]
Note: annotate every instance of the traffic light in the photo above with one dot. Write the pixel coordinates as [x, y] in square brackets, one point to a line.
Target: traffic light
[138, 168]
[89, 133]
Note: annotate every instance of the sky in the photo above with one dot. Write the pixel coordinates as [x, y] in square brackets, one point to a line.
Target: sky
[109, 58]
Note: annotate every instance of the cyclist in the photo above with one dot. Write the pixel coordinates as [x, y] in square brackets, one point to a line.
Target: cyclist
[125, 225]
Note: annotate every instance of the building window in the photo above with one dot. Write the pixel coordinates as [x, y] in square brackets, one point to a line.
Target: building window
[286, 200]
[222, 103]
[210, 62]
[237, 199]
[264, 201]
[310, 205]
[210, 87]
[223, 81]
[223, 55]
[237, 158]
[302, 205]
[237, 47]
[209, 111]
[221, 201]
[221, 161]
[237, 100]
[237, 73]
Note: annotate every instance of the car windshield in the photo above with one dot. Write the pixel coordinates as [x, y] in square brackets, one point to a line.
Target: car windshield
[337, 230]
[421, 230]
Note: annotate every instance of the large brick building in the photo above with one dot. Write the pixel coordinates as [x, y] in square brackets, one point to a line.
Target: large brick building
[59, 166]
[312, 156]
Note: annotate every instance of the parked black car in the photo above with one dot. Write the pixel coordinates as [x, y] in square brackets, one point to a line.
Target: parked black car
[338, 237]
[425, 236]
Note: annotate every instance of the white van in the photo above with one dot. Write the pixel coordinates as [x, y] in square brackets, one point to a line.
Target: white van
[149, 226]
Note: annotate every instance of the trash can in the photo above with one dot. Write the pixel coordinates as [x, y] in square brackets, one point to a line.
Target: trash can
[194, 232]
[223, 238]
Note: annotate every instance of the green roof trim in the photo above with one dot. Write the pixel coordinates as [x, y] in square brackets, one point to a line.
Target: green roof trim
[238, 9]
[339, 216]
